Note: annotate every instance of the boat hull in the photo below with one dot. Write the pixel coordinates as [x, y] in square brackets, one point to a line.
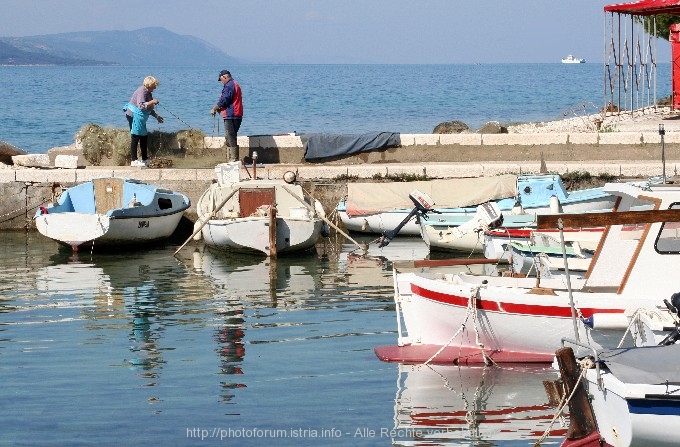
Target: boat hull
[252, 234]
[634, 414]
[513, 318]
[79, 229]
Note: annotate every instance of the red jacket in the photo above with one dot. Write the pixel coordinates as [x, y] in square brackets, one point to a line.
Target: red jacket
[231, 101]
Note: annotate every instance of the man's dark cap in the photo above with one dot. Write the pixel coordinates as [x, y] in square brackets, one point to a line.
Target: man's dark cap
[222, 73]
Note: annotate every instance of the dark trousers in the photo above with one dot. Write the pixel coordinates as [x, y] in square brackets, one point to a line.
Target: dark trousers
[143, 141]
[231, 127]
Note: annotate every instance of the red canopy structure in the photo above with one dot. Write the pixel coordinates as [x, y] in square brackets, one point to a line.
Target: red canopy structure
[633, 64]
[646, 7]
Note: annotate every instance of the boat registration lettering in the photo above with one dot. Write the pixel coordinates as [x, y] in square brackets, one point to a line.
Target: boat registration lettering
[143, 224]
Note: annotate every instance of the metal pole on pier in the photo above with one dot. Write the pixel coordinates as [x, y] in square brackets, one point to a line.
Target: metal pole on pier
[662, 132]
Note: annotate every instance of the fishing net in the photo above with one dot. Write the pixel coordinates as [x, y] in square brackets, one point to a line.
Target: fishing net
[111, 146]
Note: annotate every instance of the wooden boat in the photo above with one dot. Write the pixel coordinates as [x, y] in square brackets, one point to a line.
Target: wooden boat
[497, 241]
[381, 207]
[272, 217]
[527, 259]
[460, 317]
[112, 211]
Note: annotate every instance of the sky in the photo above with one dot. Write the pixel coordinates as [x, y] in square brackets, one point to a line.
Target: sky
[344, 31]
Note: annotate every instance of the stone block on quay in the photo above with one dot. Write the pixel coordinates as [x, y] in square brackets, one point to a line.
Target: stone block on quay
[326, 172]
[590, 138]
[32, 160]
[501, 139]
[426, 140]
[7, 175]
[213, 142]
[178, 174]
[490, 169]
[517, 139]
[66, 161]
[144, 175]
[620, 138]
[85, 175]
[407, 139]
[463, 139]
[404, 169]
[287, 141]
[243, 141]
[456, 170]
[205, 174]
[32, 175]
[670, 137]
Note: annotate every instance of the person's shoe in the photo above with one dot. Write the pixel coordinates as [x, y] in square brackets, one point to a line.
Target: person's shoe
[145, 163]
[138, 164]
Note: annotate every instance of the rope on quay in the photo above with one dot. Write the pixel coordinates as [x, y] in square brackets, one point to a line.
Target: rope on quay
[24, 209]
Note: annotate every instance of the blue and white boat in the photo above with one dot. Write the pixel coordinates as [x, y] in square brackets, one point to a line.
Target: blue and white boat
[528, 196]
[112, 211]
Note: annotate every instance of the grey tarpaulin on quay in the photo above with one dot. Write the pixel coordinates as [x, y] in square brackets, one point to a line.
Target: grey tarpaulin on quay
[320, 145]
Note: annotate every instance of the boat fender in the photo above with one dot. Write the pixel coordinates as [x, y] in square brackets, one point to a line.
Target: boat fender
[555, 207]
[43, 210]
[197, 225]
[618, 321]
[318, 207]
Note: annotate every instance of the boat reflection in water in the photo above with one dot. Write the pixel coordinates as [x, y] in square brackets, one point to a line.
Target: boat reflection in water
[486, 405]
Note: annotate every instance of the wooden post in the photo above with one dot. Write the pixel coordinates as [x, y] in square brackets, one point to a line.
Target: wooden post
[272, 231]
[581, 418]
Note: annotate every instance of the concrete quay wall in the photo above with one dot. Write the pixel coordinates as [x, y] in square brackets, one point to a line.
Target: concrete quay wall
[472, 147]
[627, 154]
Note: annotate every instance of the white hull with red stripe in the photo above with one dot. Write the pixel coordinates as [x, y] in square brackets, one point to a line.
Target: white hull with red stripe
[634, 267]
[505, 317]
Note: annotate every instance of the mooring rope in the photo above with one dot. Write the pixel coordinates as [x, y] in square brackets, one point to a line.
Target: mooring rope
[471, 308]
[585, 364]
[15, 213]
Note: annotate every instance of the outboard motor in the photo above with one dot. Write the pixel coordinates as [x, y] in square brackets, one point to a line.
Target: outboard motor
[674, 307]
[423, 205]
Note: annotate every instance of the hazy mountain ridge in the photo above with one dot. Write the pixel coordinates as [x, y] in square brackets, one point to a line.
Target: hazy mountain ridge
[147, 46]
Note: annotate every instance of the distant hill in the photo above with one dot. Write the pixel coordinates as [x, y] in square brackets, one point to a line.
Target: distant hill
[147, 46]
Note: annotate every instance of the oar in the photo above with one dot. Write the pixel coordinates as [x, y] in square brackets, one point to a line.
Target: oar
[203, 222]
[311, 210]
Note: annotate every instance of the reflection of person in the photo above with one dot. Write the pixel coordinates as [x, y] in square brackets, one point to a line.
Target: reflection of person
[230, 105]
[137, 111]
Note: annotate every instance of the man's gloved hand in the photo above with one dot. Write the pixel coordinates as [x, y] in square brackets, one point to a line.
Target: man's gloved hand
[214, 110]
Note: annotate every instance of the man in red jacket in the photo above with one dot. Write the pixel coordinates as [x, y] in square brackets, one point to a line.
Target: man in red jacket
[230, 105]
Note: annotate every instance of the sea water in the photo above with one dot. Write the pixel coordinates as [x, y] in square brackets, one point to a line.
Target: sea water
[208, 348]
[43, 107]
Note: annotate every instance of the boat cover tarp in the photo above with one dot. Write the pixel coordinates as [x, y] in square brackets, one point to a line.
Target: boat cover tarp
[372, 198]
[646, 7]
[647, 364]
[324, 145]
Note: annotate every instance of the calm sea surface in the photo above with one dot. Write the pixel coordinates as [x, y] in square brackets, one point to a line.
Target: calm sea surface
[43, 107]
[144, 348]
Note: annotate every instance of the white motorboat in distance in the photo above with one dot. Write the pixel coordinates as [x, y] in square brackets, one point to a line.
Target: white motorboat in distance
[573, 60]
[112, 212]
